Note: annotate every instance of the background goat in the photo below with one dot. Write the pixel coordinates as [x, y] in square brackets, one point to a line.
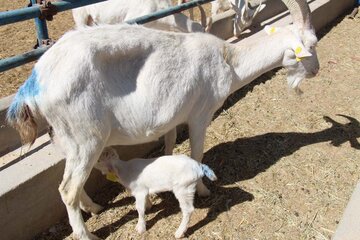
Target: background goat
[118, 11]
[244, 13]
[176, 173]
[132, 85]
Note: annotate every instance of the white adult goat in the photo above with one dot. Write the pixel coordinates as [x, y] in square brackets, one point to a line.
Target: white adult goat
[176, 173]
[129, 84]
[118, 11]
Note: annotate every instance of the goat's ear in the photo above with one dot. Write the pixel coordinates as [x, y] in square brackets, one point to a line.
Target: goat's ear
[300, 51]
[112, 175]
[235, 8]
[259, 8]
[251, 13]
[270, 29]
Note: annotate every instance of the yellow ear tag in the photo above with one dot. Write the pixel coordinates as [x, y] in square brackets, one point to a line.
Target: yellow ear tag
[272, 30]
[298, 50]
[298, 59]
[112, 177]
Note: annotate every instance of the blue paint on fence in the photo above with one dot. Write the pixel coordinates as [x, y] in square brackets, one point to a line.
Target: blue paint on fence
[28, 90]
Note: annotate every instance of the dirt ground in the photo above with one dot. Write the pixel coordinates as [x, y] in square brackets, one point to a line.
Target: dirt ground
[286, 164]
[20, 37]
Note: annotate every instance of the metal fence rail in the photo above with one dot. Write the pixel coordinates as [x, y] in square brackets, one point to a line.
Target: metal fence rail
[37, 11]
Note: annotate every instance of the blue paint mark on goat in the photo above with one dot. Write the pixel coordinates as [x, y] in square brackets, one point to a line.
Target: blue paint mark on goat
[27, 91]
[208, 172]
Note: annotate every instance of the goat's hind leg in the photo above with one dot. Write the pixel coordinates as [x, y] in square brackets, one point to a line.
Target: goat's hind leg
[87, 205]
[80, 160]
[170, 140]
[185, 197]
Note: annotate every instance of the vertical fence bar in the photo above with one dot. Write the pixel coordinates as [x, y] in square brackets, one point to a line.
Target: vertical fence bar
[41, 28]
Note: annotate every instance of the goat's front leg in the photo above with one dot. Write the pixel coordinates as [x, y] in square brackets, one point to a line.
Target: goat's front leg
[170, 140]
[140, 202]
[87, 205]
[197, 131]
[237, 29]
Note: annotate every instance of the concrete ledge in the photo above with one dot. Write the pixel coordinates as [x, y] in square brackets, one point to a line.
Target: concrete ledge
[322, 13]
[349, 226]
[28, 193]
[9, 138]
[29, 199]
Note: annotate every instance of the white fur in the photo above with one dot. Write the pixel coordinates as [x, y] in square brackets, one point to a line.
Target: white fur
[176, 173]
[125, 85]
[118, 11]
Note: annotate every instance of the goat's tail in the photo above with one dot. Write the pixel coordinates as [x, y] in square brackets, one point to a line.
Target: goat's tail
[20, 114]
[208, 172]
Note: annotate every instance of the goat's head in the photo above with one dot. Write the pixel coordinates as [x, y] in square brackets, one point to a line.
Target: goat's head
[106, 163]
[302, 27]
[308, 65]
[300, 61]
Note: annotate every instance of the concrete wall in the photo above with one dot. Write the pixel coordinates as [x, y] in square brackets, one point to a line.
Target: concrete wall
[8, 137]
[323, 12]
[29, 199]
[349, 226]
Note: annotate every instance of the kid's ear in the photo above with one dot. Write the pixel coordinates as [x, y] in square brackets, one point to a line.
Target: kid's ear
[270, 29]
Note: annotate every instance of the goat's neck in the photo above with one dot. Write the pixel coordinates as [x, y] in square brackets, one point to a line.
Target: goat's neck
[120, 167]
[251, 58]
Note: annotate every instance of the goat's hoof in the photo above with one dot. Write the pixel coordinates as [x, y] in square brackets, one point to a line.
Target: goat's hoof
[96, 209]
[202, 191]
[179, 234]
[88, 236]
[93, 237]
[148, 205]
[140, 228]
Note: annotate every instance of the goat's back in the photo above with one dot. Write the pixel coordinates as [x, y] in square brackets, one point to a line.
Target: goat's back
[140, 81]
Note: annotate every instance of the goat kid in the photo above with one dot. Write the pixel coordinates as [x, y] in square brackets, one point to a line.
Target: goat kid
[118, 11]
[176, 173]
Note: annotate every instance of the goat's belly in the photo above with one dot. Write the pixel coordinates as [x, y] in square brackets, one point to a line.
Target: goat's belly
[121, 138]
[159, 188]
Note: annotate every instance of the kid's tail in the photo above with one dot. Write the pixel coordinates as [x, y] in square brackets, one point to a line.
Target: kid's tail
[208, 172]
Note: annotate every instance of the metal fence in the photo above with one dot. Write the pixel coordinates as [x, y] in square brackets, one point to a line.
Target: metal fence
[44, 11]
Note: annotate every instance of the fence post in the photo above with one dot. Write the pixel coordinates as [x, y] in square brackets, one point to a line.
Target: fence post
[41, 29]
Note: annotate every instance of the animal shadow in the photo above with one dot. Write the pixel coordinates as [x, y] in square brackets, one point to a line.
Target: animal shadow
[247, 157]
[221, 200]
